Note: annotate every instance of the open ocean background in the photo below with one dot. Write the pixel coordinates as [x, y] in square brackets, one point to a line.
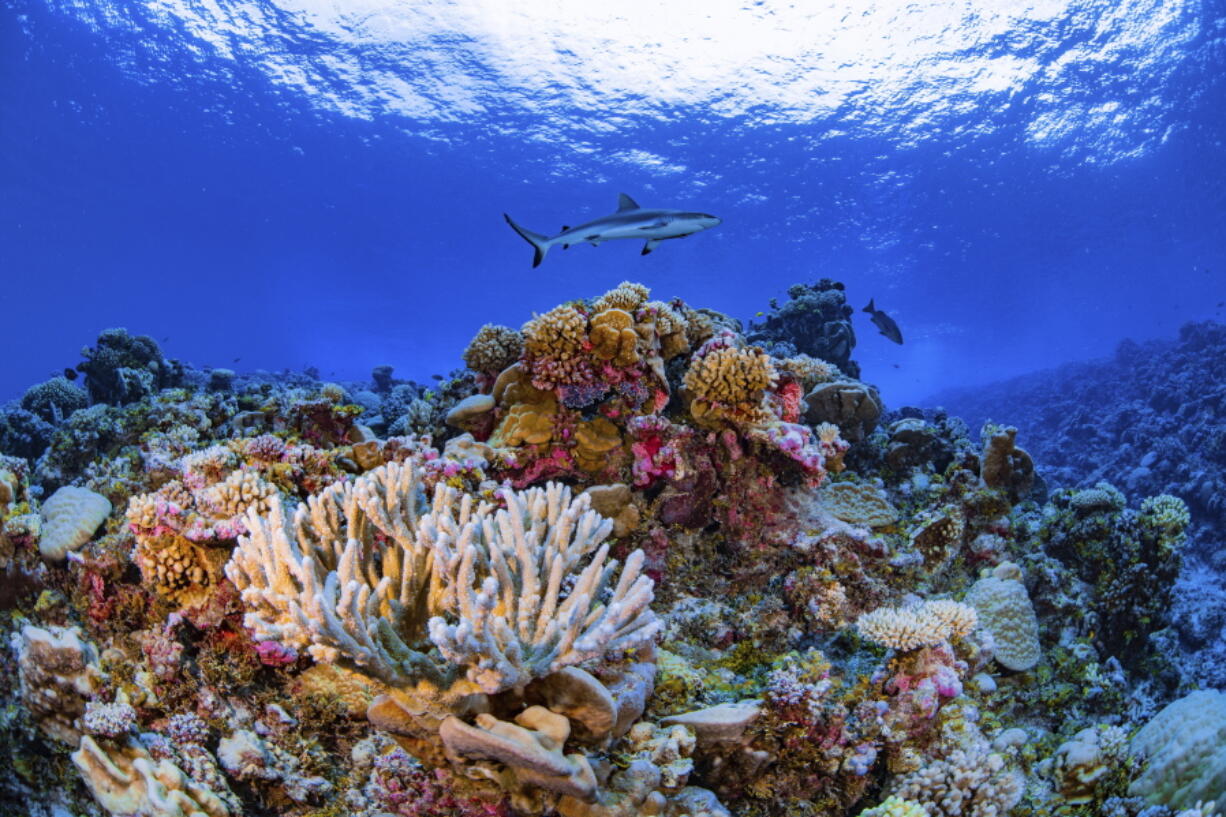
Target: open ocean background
[291, 183]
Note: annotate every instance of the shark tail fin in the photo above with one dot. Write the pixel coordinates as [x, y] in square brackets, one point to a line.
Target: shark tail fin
[540, 243]
[869, 309]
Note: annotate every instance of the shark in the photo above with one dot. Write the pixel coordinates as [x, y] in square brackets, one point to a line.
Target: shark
[630, 221]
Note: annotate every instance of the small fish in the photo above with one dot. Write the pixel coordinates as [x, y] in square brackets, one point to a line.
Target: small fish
[437, 376]
[237, 359]
[630, 221]
[884, 323]
[71, 374]
[759, 313]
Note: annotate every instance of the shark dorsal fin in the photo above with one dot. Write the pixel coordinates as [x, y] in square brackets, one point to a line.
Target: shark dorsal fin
[624, 202]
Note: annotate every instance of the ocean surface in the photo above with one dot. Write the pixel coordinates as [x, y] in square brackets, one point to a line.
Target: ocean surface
[304, 183]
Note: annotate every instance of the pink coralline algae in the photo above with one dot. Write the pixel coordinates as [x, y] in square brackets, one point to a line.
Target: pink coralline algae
[275, 654]
[404, 787]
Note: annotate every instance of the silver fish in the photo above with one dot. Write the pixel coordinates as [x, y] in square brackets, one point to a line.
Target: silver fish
[884, 322]
[630, 221]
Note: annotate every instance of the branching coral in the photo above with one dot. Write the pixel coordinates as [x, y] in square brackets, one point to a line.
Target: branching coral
[923, 625]
[493, 349]
[968, 783]
[357, 572]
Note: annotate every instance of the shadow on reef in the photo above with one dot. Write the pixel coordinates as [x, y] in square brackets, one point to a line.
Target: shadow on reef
[627, 563]
[1152, 419]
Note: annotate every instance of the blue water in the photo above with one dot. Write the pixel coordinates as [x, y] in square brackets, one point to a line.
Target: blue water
[292, 183]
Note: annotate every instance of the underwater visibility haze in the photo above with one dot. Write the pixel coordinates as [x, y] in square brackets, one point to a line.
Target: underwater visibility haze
[756, 408]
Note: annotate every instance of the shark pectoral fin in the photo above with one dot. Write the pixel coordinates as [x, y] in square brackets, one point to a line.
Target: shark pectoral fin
[651, 245]
[624, 202]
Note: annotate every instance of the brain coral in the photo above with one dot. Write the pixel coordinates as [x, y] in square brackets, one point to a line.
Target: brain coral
[1184, 748]
[72, 515]
[858, 503]
[1006, 612]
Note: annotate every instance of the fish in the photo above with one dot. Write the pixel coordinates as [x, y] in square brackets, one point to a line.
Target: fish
[884, 322]
[71, 374]
[630, 221]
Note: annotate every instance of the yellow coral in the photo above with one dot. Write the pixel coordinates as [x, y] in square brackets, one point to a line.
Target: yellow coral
[668, 325]
[729, 383]
[493, 349]
[239, 492]
[858, 503]
[595, 439]
[525, 424]
[178, 569]
[895, 807]
[628, 296]
[561, 332]
[613, 337]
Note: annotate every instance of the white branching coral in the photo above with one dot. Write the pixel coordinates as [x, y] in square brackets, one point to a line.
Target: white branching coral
[502, 574]
[366, 575]
[921, 625]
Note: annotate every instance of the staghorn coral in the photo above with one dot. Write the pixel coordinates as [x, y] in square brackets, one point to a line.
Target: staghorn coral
[922, 625]
[487, 581]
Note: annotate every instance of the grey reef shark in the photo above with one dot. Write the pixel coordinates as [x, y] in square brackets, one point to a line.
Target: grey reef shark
[884, 322]
[630, 221]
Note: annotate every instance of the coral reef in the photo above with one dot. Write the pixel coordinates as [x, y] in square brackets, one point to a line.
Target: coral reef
[815, 321]
[631, 562]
